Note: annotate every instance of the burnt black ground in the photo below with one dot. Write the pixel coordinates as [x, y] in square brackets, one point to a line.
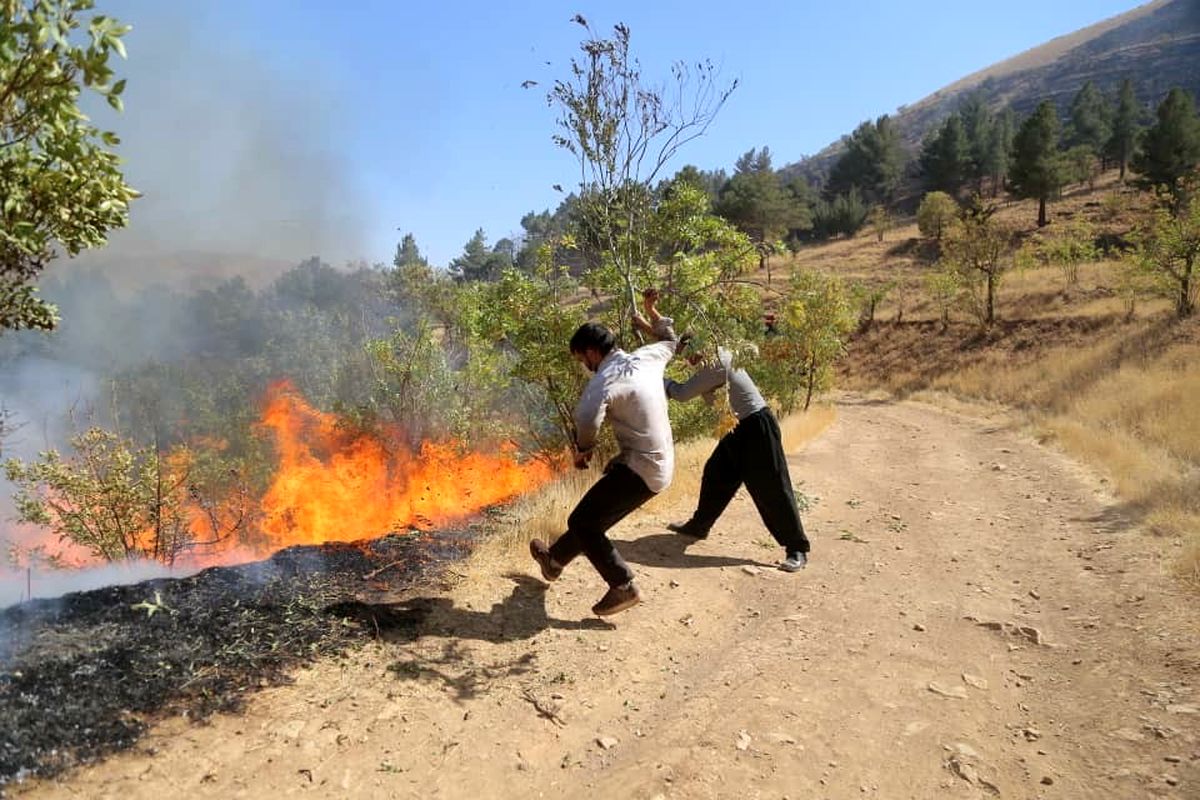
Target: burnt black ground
[84, 675]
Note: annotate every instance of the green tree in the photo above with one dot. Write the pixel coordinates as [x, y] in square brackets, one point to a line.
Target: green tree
[944, 157]
[1170, 149]
[816, 317]
[843, 216]
[1168, 254]
[1126, 127]
[755, 200]
[408, 254]
[1090, 120]
[123, 502]
[61, 187]
[979, 250]
[1037, 170]
[977, 123]
[998, 155]
[479, 262]
[936, 214]
[873, 162]
[623, 132]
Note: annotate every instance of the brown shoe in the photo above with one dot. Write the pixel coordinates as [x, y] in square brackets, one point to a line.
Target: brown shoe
[551, 569]
[618, 598]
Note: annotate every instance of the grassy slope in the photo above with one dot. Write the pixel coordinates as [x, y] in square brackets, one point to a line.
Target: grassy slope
[1116, 391]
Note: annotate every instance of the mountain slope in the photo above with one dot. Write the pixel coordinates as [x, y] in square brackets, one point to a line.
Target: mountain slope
[1157, 45]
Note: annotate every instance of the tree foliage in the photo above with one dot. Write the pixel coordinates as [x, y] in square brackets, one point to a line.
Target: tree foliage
[979, 252]
[623, 132]
[1168, 254]
[1126, 127]
[1170, 149]
[61, 187]
[873, 162]
[1038, 169]
[120, 501]
[797, 360]
[936, 214]
[1091, 120]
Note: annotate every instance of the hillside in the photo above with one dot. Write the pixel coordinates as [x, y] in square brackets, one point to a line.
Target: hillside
[1157, 45]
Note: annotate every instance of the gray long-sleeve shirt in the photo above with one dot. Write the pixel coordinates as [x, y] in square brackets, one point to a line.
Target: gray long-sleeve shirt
[744, 397]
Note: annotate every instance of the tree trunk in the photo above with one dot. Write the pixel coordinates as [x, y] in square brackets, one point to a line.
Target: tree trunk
[991, 298]
[1041, 212]
[812, 380]
[1123, 160]
[1185, 307]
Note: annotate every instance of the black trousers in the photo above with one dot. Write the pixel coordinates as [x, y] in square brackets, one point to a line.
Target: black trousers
[752, 453]
[618, 492]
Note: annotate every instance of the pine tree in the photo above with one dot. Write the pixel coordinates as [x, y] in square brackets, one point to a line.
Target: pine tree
[1125, 128]
[944, 157]
[1170, 149]
[1037, 168]
[1091, 120]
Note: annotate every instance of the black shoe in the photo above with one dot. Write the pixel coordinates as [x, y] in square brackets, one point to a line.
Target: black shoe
[551, 569]
[689, 529]
[618, 598]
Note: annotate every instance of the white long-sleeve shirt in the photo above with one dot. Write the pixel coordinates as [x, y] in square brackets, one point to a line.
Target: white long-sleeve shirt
[628, 389]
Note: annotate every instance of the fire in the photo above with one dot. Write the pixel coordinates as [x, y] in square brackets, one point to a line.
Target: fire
[332, 486]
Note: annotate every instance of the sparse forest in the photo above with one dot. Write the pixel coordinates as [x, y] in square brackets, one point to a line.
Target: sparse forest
[473, 352]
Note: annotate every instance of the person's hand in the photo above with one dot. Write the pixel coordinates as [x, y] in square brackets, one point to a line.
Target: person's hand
[650, 296]
[582, 457]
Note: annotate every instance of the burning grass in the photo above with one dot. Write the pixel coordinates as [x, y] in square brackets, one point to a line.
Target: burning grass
[85, 675]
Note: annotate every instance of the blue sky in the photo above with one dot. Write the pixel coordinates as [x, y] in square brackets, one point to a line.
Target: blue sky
[289, 127]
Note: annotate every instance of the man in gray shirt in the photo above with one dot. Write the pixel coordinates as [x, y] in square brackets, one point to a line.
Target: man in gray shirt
[752, 453]
[627, 389]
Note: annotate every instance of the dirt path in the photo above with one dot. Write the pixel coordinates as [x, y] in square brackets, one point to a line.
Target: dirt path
[977, 620]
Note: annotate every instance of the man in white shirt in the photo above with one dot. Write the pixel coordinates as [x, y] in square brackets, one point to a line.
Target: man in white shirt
[627, 388]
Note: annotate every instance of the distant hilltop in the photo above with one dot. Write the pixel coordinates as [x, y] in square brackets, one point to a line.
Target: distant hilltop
[1156, 45]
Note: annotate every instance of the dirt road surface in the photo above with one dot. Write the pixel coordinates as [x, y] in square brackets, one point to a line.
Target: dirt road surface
[979, 619]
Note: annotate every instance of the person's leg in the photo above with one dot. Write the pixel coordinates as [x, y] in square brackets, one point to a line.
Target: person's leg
[718, 484]
[770, 484]
[611, 499]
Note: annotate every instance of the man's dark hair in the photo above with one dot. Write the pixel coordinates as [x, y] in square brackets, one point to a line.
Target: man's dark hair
[593, 334]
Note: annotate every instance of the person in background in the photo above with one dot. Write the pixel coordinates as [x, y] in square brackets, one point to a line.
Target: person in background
[751, 453]
[627, 389]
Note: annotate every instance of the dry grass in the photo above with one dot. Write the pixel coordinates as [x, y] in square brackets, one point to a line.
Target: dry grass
[1116, 391]
[543, 514]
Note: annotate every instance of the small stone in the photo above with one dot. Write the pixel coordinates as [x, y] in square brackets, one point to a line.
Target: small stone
[974, 680]
[998, 467]
[675, 584]
[743, 741]
[1172, 759]
[919, 627]
[750, 570]
[1171, 780]
[781, 738]
[1047, 781]
[607, 742]
[1034, 594]
[956, 692]
[1031, 734]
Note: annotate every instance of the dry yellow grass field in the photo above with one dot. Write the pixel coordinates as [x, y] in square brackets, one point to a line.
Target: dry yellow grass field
[1114, 389]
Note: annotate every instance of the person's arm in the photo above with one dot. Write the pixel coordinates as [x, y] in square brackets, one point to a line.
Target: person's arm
[589, 416]
[705, 380]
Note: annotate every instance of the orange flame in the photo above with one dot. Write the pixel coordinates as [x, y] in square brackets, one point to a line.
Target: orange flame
[333, 486]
